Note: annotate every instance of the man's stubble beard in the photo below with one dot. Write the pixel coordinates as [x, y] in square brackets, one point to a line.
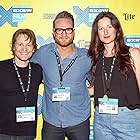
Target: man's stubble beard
[63, 45]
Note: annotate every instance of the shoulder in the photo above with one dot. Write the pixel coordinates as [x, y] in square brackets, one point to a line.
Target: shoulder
[82, 54]
[134, 52]
[36, 72]
[37, 69]
[82, 51]
[36, 66]
[6, 62]
[135, 56]
[38, 56]
[6, 65]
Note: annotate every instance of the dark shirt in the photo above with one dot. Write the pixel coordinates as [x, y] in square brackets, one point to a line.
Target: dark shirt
[11, 96]
[125, 90]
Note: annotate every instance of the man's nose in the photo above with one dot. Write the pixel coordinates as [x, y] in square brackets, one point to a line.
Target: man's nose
[24, 47]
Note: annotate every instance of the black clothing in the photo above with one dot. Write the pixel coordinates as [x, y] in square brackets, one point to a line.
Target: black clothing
[126, 91]
[11, 96]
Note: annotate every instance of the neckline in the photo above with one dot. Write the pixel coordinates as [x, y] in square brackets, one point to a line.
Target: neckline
[110, 57]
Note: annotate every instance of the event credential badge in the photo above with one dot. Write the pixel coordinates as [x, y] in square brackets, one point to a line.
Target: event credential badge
[108, 105]
[61, 94]
[24, 114]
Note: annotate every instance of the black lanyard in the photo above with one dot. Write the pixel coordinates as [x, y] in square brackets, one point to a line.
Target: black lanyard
[25, 92]
[107, 77]
[66, 69]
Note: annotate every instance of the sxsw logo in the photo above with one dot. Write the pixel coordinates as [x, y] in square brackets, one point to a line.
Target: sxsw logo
[88, 15]
[132, 40]
[41, 41]
[14, 15]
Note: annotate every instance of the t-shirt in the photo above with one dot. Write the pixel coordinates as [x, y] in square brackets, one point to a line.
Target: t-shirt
[11, 96]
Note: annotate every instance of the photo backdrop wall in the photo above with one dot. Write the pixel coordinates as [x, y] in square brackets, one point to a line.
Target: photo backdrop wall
[38, 15]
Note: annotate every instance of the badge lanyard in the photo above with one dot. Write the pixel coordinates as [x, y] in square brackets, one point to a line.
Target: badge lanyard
[107, 77]
[25, 92]
[66, 69]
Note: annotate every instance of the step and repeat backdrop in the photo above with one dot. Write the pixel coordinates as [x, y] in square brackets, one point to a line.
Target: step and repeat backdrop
[38, 15]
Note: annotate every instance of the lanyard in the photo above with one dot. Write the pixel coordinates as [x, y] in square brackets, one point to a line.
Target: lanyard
[25, 92]
[66, 69]
[107, 77]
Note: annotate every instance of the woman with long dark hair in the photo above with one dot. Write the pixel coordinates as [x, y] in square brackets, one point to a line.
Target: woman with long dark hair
[115, 74]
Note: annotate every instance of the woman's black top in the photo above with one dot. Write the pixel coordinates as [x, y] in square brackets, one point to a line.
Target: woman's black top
[125, 90]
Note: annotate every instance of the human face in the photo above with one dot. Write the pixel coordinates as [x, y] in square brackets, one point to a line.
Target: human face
[23, 48]
[64, 39]
[106, 31]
